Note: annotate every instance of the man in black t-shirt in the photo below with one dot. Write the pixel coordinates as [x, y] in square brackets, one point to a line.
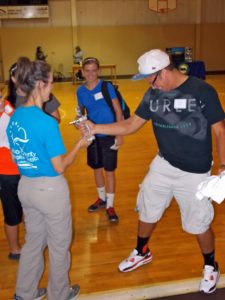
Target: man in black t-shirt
[183, 111]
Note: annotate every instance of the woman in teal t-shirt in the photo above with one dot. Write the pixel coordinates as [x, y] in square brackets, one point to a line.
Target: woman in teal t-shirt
[38, 150]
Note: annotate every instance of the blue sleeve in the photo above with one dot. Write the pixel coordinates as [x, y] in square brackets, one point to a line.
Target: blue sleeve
[79, 97]
[53, 140]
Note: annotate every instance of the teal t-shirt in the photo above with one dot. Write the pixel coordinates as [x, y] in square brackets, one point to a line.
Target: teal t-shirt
[34, 139]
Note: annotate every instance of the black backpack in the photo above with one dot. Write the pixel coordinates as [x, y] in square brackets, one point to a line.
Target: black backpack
[124, 106]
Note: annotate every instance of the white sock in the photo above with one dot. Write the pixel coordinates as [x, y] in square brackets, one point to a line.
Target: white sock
[101, 193]
[110, 199]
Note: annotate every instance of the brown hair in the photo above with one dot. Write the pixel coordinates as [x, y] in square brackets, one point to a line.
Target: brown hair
[90, 60]
[28, 73]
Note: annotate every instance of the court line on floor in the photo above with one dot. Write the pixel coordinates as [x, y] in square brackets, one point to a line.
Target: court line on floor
[151, 291]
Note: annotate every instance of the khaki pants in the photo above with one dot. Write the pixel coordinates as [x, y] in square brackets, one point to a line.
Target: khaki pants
[47, 212]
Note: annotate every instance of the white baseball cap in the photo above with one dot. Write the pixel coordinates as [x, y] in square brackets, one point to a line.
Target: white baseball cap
[151, 62]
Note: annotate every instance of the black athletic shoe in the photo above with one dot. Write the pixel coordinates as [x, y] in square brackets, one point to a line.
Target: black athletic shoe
[97, 205]
[112, 216]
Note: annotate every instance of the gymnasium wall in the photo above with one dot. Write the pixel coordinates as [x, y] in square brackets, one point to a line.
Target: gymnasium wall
[21, 37]
[117, 31]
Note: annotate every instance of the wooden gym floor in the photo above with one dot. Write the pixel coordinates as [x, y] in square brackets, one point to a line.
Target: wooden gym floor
[98, 246]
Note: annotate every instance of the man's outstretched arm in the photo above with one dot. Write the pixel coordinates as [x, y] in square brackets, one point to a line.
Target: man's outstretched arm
[125, 127]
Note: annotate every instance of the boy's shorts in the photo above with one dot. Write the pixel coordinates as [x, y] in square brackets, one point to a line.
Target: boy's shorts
[99, 154]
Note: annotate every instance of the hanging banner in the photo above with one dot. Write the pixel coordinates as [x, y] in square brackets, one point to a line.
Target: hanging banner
[23, 2]
[24, 12]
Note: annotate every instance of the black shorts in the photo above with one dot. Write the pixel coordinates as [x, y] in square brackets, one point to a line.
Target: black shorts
[12, 208]
[99, 154]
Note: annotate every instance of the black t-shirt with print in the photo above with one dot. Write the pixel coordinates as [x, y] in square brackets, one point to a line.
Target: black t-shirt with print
[182, 120]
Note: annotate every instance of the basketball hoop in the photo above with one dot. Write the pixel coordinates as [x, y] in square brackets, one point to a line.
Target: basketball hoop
[162, 6]
[163, 11]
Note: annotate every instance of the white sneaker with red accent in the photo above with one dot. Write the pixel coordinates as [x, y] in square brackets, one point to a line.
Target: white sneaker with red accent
[134, 261]
[210, 278]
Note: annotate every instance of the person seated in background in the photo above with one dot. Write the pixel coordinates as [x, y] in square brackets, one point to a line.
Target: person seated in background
[78, 58]
[9, 179]
[40, 54]
[16, 96]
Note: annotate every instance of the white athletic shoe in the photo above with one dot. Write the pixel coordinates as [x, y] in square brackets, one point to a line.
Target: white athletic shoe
[40, 293]
[210, 278]
[134, 261]
[74, 292]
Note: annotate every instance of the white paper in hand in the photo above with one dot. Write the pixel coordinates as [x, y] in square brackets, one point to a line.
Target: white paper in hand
[114, 146]
[213, 187]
